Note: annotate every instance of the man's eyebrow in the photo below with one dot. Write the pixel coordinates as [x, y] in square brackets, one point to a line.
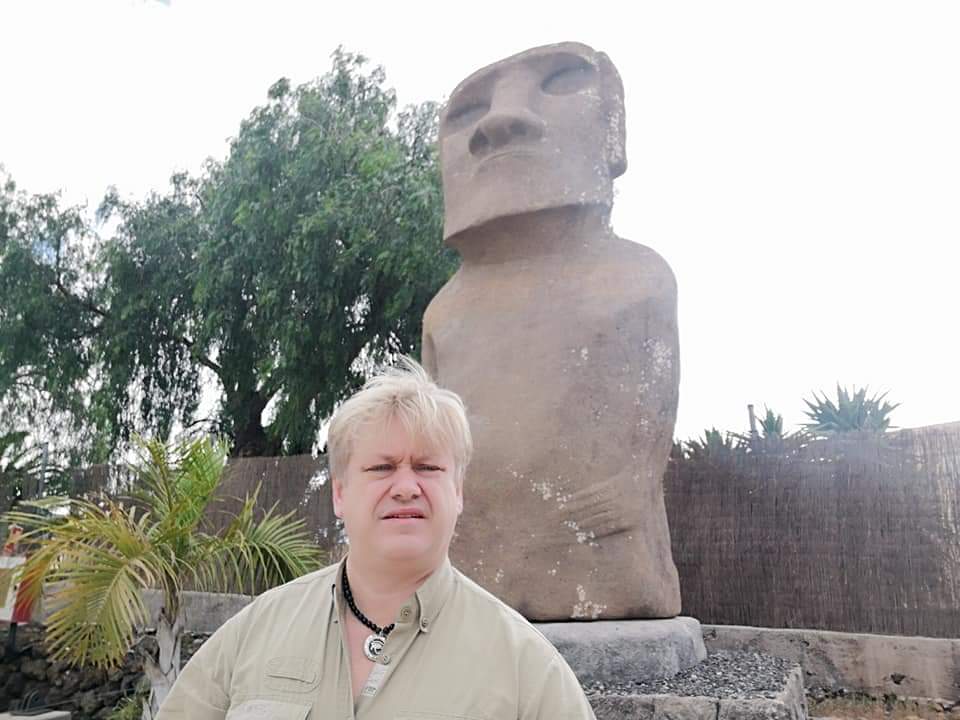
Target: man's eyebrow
[380, 457]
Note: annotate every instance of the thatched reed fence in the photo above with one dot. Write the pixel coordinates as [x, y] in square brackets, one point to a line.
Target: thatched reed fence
[860, 533]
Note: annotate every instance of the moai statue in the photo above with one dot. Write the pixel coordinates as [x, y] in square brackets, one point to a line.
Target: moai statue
[562, 340]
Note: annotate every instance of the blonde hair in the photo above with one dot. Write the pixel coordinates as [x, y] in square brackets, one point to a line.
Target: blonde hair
[408, 394]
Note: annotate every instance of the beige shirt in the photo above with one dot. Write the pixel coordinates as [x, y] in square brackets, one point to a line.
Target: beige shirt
[456, 652]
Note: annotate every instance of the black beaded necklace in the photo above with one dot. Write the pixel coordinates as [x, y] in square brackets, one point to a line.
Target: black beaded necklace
[373, 645]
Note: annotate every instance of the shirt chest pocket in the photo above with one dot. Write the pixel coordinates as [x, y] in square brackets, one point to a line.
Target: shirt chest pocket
[268, 710]
[291, 674]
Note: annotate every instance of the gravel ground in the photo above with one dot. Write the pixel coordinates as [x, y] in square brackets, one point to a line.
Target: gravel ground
[722, 675]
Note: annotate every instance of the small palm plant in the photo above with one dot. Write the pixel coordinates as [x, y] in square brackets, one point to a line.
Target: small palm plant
[853, 411]
[105, 554]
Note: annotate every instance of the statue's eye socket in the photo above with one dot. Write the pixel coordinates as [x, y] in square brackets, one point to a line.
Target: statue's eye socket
[466, 114]
[569, 79]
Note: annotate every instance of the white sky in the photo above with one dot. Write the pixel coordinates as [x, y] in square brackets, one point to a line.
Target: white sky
[797, 164]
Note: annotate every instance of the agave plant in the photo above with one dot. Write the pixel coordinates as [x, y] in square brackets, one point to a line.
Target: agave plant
[104, 554]
[713, 444]
[853, 411]
[771, 425]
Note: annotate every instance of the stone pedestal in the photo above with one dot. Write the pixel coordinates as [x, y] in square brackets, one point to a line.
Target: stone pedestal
[617, 651]
[788, 704]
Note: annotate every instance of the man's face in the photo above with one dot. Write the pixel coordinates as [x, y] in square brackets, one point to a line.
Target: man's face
[523, 135]
[399, 500]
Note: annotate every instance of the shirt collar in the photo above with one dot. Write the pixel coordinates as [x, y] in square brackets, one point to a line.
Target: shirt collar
[430, 597]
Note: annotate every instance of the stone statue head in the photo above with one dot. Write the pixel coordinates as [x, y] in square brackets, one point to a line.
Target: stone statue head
[541, 129]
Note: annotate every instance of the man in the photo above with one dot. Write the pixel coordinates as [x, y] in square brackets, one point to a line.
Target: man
[392, 631]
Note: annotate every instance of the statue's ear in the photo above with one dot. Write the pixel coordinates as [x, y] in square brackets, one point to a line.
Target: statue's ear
[615, 142]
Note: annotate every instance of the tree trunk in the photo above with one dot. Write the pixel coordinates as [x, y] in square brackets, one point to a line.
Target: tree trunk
[162, 671]
[250, 438]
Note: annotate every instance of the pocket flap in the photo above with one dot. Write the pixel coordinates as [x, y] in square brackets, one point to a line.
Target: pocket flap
[292, 668]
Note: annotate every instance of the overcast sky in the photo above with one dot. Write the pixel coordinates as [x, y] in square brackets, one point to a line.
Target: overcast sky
[797, 164]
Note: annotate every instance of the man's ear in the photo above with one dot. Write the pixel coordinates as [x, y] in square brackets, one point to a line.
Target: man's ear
[337, 497]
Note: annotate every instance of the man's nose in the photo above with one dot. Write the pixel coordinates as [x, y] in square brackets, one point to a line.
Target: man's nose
[510, 121]
[406, 484]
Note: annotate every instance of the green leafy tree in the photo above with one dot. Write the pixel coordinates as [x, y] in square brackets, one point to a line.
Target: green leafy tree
[105, 554]
[277, 277]
[853, 411]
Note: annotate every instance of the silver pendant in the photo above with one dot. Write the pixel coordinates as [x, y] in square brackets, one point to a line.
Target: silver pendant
[373, 646]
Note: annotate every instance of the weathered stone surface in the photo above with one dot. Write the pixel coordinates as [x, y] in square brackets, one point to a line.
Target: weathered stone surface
[622, 707]
[788, 704]
[562, 340]
[623, 651]
[669, 707]
[873, 664]
[89, 702]
[35, 669]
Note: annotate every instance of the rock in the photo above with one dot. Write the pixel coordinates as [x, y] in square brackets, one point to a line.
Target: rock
[15, 685]
[36, 669]
[89, 702]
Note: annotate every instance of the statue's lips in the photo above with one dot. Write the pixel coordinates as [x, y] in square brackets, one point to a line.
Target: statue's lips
[509, 153]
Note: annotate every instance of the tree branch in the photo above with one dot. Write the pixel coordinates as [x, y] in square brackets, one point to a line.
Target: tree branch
[187, 342]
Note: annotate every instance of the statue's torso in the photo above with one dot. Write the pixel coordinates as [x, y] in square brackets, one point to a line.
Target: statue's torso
[568, 367]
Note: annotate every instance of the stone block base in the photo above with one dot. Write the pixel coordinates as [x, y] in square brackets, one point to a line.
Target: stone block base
[608, 651]
[788, 704]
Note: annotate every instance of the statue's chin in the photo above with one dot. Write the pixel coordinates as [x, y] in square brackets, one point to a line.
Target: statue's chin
[457, 221]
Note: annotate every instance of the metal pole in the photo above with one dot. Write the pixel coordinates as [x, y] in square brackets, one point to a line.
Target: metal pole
[753, 424]
[42, 484]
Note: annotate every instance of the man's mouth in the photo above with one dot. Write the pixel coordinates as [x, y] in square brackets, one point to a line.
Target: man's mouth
[404, 515]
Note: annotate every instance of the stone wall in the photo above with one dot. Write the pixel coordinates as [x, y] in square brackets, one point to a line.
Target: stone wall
[87, 693]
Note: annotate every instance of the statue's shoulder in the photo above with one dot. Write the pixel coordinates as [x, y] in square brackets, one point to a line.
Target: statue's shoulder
[637, 259]
[440, 303]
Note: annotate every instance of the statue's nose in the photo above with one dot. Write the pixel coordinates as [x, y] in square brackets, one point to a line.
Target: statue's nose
[501, 128]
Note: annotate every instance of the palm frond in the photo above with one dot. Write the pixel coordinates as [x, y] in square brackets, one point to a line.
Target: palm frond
[250, 556]
[103, 557]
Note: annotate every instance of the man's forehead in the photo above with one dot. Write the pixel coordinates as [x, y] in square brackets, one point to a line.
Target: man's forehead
[530, 57]
[390, 437]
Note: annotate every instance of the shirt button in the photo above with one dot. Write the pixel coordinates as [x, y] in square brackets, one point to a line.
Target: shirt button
[385, 659]
[405, 613]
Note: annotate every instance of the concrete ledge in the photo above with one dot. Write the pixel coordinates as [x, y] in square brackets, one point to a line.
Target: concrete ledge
[203, 612]
[789, 704]
[608, 651]
[916, 667]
